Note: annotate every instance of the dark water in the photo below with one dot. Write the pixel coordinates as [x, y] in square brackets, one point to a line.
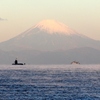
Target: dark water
[49, 84]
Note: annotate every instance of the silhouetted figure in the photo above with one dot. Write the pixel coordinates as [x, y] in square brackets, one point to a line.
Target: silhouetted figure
[16, 62]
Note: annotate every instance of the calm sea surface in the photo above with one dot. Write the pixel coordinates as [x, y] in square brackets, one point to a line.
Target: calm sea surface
[50, 82]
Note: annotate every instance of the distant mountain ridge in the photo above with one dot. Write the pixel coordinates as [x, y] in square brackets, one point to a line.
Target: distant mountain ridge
[82, 55]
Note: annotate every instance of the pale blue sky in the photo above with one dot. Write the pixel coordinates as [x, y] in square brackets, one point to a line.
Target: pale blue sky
[80, 15]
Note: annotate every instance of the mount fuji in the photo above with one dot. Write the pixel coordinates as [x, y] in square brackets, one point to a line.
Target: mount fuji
[50, 42]
[49, 35]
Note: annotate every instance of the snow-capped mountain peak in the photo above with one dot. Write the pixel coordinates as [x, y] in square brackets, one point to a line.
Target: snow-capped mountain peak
[52, 26]
[49, 35]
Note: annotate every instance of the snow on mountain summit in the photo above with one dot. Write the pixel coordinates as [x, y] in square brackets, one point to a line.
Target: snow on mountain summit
[52, 26]
[49, 27]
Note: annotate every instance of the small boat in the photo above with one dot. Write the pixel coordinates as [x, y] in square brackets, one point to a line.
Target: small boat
[75, 62]
[16, 63]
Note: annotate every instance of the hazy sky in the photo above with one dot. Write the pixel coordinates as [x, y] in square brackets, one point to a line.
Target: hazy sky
[17, 16]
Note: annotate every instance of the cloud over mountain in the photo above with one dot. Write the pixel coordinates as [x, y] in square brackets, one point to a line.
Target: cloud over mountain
[1, 19]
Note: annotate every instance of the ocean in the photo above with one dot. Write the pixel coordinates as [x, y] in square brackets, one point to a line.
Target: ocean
[50, 82]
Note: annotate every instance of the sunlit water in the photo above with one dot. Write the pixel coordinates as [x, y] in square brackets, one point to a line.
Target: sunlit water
[50, 82]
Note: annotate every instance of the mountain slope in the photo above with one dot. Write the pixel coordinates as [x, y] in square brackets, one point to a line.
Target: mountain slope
[49, 35]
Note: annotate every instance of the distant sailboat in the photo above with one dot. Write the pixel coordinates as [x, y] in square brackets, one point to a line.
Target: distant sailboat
[16, 63]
